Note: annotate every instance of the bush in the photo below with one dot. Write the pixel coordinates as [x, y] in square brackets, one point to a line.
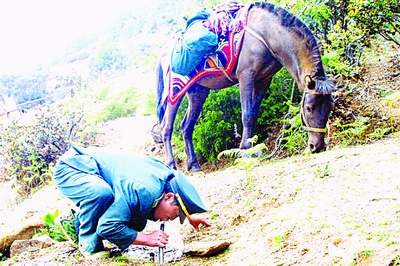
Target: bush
[109, 58]
[295, 137]
[219, 126]
[121, 104]
[60, 229]
[377, 17]
[274, 105]
[215, 130]
[29, 148]
[344, 28]
[353, 133]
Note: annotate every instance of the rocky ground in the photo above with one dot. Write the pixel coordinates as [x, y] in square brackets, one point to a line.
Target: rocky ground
[339, 207]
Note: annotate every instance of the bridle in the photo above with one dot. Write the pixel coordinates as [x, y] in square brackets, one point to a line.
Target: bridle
[306, 126]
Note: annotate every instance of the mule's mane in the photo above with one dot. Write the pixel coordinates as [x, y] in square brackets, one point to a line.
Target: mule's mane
[295, 25]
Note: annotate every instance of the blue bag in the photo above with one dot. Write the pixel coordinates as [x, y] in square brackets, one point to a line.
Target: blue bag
[197, 43]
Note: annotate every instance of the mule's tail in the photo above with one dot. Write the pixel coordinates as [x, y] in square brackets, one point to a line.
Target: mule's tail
[160, 102]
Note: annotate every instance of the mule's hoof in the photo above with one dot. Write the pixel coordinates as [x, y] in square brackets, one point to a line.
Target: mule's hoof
[172, 165]
[156, 133]
[194, 168]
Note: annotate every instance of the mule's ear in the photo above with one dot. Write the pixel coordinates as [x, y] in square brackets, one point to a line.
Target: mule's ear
[309, 82]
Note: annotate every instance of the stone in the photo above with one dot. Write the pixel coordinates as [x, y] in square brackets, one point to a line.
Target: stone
[23, 233]
[28, 245]
[206, 248]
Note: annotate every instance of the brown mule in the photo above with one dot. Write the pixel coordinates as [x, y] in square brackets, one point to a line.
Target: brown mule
[274, 38]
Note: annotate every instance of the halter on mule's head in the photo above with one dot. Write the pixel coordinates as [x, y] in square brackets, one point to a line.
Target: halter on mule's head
[315, 107]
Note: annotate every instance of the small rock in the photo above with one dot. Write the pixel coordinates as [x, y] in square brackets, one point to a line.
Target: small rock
[205, 249]
[22, 233]
[30, 245]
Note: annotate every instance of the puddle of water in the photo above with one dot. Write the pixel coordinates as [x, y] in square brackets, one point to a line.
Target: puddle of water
[152, 253]
[172, 252]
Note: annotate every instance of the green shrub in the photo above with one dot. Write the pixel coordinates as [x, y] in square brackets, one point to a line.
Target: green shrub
[345, 28]
[215, 129]
[274, 105]
[295, 137]
[333, 60]
[29, 147]
[220, 125]
[118, 105]
[354, 132]
[377, 17]
[109, 58]
[60, 229]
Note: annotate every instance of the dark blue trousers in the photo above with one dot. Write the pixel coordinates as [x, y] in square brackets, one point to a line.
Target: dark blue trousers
[92, 195]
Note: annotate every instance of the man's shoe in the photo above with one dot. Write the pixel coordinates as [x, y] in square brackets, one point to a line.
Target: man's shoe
[104, 254]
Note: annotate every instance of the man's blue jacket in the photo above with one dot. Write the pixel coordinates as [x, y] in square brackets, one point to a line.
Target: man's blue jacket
[137, 183]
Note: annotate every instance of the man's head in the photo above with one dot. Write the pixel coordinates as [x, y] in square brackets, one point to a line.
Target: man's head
[180, 199]
[167, 208]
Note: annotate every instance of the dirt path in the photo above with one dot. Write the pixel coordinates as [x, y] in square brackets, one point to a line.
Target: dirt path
[288, 213]
[334, 208]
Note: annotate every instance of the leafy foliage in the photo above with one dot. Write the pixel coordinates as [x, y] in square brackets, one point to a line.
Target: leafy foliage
[215, 130]
[353, 133]
[60, 230]
[295, 137]
[322, 171]
[274, 105]
[29, 148]
[117, 105]
[377, 17]
[344, 28]
[109, 58]
[219, 125]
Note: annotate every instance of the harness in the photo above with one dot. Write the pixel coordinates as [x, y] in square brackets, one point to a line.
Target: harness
[306, 126]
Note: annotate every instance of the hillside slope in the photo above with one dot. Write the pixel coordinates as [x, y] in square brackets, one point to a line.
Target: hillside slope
[284, 212]
[337, 207]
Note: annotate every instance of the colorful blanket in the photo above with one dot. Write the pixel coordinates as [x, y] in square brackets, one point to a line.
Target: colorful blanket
[230, 29]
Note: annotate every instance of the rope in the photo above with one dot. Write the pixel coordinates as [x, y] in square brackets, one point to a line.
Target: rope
[303, 117]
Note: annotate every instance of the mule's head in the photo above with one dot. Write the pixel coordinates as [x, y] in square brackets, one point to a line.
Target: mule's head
[315, 107]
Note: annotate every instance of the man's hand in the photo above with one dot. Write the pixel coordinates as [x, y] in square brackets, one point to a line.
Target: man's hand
[154, 239]
[196, 222]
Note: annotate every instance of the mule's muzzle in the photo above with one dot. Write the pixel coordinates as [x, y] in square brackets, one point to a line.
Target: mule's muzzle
[316, 149]
[317, 146]
[316, 142]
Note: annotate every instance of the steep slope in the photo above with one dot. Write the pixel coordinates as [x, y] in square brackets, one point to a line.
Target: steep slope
[308, 210]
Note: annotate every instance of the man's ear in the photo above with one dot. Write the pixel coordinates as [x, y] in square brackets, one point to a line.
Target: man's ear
[169, 196]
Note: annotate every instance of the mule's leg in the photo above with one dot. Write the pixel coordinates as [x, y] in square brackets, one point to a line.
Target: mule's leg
[167, 127]
[251, 95]
[159, 102]
[197, 95]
